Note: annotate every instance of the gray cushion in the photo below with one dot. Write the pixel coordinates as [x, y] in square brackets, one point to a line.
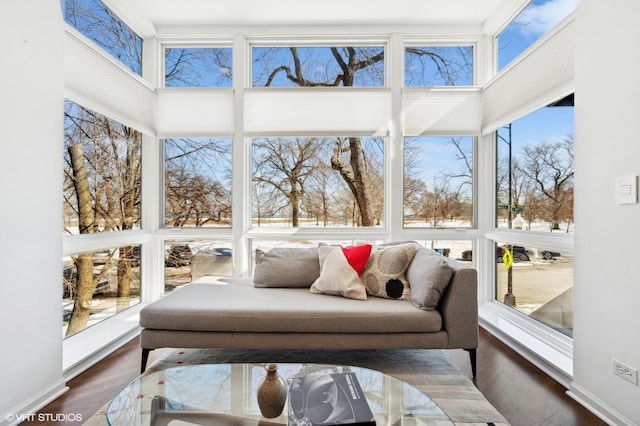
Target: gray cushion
[240, 307]
[428, 276]
[286, 267]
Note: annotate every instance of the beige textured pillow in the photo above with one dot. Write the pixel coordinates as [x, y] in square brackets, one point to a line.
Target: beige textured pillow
[428, 275]
[286, 267]
[385, 275]
[340, 270]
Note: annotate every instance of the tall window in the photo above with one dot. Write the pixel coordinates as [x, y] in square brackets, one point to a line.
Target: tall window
[438, 182]
[426, 66]
[197, 182]
[97, 22]
[338, 66]
[531, 24]
[320, 182]
[535, 167]
[102, 189]
[198, 67]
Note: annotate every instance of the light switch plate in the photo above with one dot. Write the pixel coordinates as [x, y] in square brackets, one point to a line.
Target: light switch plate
[627, 189]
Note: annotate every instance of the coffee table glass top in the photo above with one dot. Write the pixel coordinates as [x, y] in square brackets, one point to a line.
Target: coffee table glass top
[225, 394]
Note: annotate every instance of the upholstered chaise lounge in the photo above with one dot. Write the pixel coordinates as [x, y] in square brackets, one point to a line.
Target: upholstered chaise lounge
[239, 313]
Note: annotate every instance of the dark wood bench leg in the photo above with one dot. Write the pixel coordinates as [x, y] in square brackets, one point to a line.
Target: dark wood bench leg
[472, 356]
[145, 358]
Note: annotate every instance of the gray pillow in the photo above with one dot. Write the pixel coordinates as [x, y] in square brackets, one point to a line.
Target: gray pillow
[428, 276]
[286, 267]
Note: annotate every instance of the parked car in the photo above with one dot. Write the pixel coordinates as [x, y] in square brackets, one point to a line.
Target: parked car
[70, 283]
[548, 255]
[178, 255]
[519, 254]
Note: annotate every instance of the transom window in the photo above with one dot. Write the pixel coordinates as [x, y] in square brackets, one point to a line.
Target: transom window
[198, 67]
[97, 22]
[427, 66]
[532, 23]
[335, 66]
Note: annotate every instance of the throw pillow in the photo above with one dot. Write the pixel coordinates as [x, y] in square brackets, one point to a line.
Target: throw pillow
[286, 267]
[385, 276]
[340, 271]
[428, 275]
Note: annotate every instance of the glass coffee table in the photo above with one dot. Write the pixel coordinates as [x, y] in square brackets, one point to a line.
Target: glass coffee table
[225, 394]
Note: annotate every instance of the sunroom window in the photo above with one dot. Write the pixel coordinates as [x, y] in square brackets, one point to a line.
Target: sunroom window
[535, 168]
[317, 182]
[197, 182]
[97, 22]
[438, 182]
[102, 173]
[534, 260]
[102, 194]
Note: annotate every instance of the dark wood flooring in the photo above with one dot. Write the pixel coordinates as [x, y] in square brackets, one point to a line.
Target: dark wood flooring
[522, 393]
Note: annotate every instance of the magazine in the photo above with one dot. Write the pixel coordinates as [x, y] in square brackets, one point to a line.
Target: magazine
[328, 399]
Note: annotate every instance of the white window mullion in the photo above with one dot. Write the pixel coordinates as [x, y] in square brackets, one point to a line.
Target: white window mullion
[394, 196]
[241, 166]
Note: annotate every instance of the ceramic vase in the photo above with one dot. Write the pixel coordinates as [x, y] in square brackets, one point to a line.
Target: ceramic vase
[272, 393]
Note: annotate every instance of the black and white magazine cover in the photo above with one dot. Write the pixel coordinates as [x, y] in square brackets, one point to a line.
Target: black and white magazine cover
[328, 399]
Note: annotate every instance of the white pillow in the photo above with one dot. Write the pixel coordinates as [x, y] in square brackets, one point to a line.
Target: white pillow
[340, 271]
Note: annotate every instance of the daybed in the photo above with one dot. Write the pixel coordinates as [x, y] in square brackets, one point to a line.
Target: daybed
[293, 304]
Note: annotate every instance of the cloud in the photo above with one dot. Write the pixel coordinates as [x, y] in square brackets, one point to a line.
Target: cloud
[540, 16]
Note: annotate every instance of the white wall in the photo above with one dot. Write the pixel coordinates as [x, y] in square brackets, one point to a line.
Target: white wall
[607, 240]
[31, 129]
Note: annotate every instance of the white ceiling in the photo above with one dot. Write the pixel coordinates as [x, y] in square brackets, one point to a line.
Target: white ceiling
[316, 12]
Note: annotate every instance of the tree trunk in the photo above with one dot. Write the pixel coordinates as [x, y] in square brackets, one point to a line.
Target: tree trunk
[294, 199]
[355, 177]
[124, 278]
[85, 285]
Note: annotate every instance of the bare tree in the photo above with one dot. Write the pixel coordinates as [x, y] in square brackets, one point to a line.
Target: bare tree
[550, 167]
[197, 182]
[198, 67]
[286, 164]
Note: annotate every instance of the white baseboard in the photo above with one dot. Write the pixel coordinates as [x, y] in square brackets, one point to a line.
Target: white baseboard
[597, 406]
[28, 410]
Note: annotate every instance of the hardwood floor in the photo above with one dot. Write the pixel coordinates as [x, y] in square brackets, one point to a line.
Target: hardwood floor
[519, 391]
